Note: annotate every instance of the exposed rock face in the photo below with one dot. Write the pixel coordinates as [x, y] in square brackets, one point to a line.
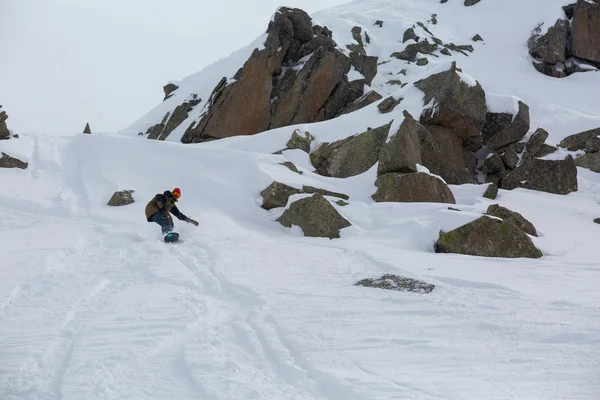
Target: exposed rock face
[403, 152]
[536, 142]
[416, 187]
[7, 161]
[389, 104]
[456, 104]
[469, 3]
[488, 237]
[87, 129]
[292, 167]
[512, 217]
[277, 195]
[351, 156]
[299, 77]
[172, 120]
[315, 216]
[593, 145]
[169, 88]
[363, 101]
[397, 283]
[552, 176]
[323, 192]
[4, 132]
[410, 34]
[586, 30]
[491, 192]
[510, 159]
[551, 47]
[121, 198]
[411, 51]
[502, 129]
[298, 141]
[590, 161]
[578, 141]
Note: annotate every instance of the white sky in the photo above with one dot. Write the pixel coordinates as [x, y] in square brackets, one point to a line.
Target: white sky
[66, 62]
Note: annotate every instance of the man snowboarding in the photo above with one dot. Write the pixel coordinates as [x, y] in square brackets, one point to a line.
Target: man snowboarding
[159, 210]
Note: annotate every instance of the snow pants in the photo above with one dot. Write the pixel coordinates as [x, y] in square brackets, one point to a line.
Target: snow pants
[165, 221]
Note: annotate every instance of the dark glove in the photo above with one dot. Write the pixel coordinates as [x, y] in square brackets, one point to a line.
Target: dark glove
[191, 221]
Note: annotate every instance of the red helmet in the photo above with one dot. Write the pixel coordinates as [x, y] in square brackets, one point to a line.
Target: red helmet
[177, 193]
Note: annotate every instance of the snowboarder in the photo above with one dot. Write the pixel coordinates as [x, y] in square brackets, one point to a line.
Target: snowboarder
[160, 208]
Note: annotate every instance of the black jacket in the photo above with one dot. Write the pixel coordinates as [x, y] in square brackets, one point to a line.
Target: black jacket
[164, 203]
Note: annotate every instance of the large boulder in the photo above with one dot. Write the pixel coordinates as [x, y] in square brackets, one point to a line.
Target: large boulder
[7, 161]
[586, 30]
[121, 198]
[403, 152]
[488, 237]
[550, 47]
[453, 102]
[578, 141]
[416, 187]
[351, 156]
[277, 194]
[590, 161]
[299, 76]
[558, 176]
[4, 132]
[512, 217]
[315, 216]
[443, 154]
[503, 128]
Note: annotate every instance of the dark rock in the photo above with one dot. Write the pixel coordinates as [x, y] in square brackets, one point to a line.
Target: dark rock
[395, 82]
[545, 150]
[379, 23]
[422, 61]
[16, 135]
[491, 192]
[412, 50]
[7, 161]
[410, 34]
[456, 105]
[341, 203]
[351, 156]
[597, 220]
[416, 187]
[443, 154]
[536, 141]
[315, 216]
[462, 49]
[551, 47]
[502, 129]
[357, 35]
[589, 161]
[277, 195]
[366, 65]
[298, 141]
[477, 38]
[578, 141]
[469, 3]
[569, 10]
[121, 198]
[171, 121]
[87, 128]
[493, 164]
[389, 104]
[169, 88]
[593, 145]
[291, 166]
[454, 209]
[323, 192]
[510, 159]
[445, 52]
[402, 152]
[496, 210]
[366, 99]
[555, 71]
[4, 132]
[586, 30]
[398, 283]
[488, 237]
[551, 176]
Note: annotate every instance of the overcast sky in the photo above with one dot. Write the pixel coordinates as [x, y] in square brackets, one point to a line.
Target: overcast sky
[66, 62]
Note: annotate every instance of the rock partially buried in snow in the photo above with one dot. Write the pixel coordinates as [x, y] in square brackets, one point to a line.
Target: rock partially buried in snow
[403, 152]
[351, 156]
[550, 47]
[315, 216]
[168, 89]
[298, 141]
[121, 198]
[397, 283]
[418, 187]
[7, 161]
[469, 3]
[578, 141]
[558, 176]
[512, 217]
[535, 143]
[491, 192]
[291, 166]
[454, 101]
[593, 145]
[505, 127]
[589, 161]
[277, 194]
[4, 132]
[488, 237]
[389, 104]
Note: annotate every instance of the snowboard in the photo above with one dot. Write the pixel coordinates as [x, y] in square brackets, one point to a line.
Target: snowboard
[172, 237]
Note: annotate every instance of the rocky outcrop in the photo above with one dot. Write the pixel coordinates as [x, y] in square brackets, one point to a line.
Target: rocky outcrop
[403, 152]
[397, 283]
[351, 156]
[7, 161]
[589, 161]
[469, 3]
[299, 141]
[551, 176]
[586, 30]
[550, 47]
[416, 187]
[453, 103]
[169, 88]
[579, 140]
[512, 217]
[502, 129]
[368, 98]
[277, 194]
[491, 192]
[121, 198]
[4, 132]
[315, 216]
[411, 52]
[389, 104]
[172, 120]
[488, 237]
[87, 129]
[298, 77]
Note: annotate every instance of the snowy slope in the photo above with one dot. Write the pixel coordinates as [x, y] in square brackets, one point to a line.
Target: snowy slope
[94, 306]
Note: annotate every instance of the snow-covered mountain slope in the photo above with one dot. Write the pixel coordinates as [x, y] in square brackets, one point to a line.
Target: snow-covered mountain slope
[93, 304]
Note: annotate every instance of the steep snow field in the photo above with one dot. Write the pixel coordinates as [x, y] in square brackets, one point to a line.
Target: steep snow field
[93, 305]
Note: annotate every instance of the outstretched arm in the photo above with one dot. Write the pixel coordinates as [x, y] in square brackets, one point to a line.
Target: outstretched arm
[175, 211]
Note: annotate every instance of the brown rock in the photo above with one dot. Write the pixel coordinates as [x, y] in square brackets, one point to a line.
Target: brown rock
[502, 129]
[403, 151]
[7, 161]
[416, 187]
[169, 88]
[578, 141]
[586, 30]
[512, 217]
[389, 104]
[121, 198]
